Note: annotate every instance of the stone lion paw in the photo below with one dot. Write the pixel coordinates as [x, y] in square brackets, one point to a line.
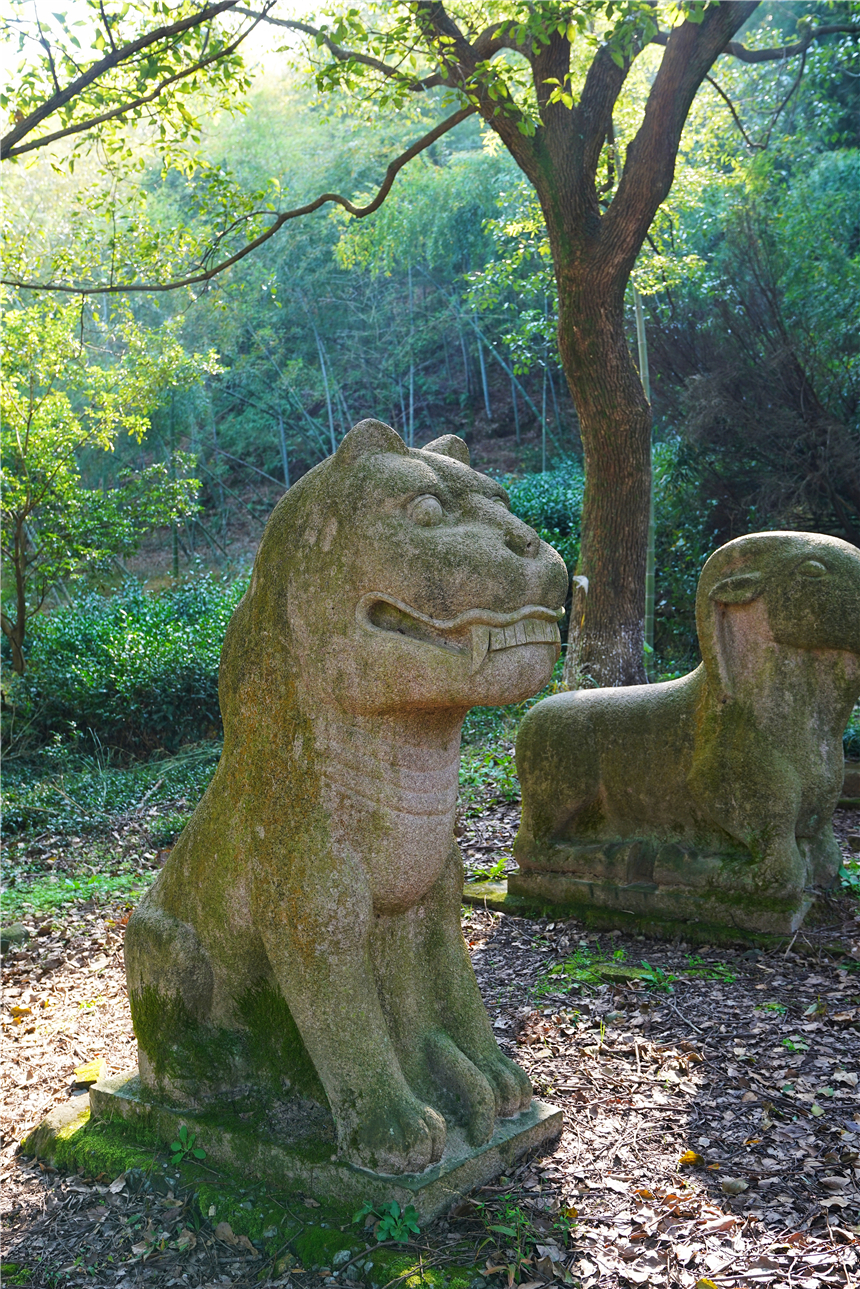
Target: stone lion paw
[402, 1136]
[511, 1085]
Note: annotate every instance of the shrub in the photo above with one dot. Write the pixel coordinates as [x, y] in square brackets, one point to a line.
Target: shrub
[551, 503]
[136, 670]
[851, 737]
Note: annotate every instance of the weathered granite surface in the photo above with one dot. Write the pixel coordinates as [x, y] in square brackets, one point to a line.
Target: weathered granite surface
[709, 797]
[304, 935]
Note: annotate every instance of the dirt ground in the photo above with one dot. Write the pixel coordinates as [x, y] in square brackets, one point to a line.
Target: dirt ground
[712, 1117]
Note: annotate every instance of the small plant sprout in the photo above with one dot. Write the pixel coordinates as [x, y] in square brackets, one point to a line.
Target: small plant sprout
[657, 978]
[184, 1146]
[391, 1223]
[494, 873]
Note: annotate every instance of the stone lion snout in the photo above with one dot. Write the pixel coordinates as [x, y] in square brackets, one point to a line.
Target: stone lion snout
[522, 540]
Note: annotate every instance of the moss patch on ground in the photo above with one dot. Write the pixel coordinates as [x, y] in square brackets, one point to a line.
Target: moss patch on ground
[383, 1266]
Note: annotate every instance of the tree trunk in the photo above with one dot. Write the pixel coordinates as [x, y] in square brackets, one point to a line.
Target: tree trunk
[11, 632]
[615, 424]
[14, 631]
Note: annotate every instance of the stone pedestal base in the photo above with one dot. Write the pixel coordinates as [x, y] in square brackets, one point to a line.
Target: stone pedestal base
[673, 900]
[294, 1149]
[675, 903]
[606, 909]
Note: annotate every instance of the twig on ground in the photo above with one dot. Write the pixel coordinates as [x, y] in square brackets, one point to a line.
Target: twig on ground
[683, 1018]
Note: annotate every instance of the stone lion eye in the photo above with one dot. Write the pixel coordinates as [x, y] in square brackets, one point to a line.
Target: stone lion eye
[426, 511]
[812, 568]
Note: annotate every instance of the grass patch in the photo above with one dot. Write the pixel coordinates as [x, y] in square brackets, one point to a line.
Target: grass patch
[849, 875]
[45, 898]
[64, 790]
[487, 776]
[591, 966]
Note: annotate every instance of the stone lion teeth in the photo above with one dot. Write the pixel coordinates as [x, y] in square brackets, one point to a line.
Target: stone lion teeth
[480, 637]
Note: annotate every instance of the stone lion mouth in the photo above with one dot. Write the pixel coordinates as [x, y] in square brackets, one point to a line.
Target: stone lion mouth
[475, 632]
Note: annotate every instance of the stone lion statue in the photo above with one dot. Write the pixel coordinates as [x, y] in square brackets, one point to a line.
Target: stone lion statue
[709, 797]
[305, 931]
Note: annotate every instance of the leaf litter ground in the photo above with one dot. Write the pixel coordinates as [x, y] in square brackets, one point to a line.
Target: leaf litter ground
[712, 1117]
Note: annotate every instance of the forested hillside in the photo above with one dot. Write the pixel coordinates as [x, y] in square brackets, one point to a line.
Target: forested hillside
[438, 314]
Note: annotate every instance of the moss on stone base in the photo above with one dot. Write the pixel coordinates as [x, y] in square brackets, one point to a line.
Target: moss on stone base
[267, 1052]
[495, 896]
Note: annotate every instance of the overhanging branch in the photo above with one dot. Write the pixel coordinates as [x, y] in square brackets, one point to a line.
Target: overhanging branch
[340, 53]
[115, 58]
[132, 105]
[739, 51]
[194, 279]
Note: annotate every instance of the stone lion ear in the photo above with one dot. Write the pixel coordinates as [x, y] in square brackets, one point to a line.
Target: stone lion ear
[739, 589]
[449, 445]
[369, 438]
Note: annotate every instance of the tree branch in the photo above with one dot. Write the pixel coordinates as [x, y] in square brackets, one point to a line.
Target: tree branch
[649, 167]
[785, 51]
[459, 65]
[737, 120]
[130, 106]
[114, 59]
[359, 212]
[777, 112]
[338, 51]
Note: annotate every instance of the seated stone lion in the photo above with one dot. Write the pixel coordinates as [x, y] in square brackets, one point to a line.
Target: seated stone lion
[305, 930]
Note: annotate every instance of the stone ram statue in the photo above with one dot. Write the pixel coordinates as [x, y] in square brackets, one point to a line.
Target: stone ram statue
[304, 935]
[710, 797]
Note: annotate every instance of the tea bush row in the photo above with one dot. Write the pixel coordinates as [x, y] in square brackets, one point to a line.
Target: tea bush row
[136, 670]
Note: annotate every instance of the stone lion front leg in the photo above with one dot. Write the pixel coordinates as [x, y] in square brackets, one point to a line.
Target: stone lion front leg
[823, 856]
[464, 1026]
[315, 925]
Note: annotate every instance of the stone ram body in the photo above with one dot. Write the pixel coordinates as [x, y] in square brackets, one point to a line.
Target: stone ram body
[709, 797]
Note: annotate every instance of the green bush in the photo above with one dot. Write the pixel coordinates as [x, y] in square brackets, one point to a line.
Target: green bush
[67, 790]
[136, 670]
[851, 737]
[551, 503]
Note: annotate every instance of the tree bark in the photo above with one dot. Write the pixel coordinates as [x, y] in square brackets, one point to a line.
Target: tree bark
[14, 631]
[615, 425]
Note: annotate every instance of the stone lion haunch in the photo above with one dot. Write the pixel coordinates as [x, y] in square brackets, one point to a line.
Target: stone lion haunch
[708, 797]
[305, 932]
